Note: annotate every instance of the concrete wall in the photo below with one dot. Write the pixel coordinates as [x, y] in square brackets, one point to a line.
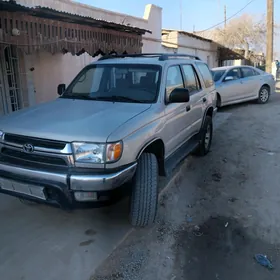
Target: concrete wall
[152, 42]
[185, 44]
[236, 62]
[52, 70]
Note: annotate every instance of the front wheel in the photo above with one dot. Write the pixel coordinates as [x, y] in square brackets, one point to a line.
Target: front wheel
[264, 94]
[144, 197]
[205, 135]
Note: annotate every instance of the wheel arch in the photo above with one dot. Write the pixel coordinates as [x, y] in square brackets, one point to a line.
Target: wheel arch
[208, 112]
[156, 147]
[267, 86]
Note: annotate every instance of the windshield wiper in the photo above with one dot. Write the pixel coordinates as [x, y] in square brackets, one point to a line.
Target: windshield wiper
[116, 98]
[84, 96]
[113, 98]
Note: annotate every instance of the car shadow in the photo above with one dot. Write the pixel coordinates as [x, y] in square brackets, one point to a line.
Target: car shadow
[235, 106]
[274, 98]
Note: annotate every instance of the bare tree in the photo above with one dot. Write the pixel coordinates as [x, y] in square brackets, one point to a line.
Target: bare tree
[244, 32]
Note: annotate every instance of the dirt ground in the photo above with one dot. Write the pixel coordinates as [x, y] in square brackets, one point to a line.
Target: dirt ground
[219, 212]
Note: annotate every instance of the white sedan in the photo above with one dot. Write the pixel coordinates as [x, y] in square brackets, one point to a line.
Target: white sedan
[236, 84]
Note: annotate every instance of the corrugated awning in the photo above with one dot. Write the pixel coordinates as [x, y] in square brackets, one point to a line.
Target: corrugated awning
[47, 29]
[44, 12]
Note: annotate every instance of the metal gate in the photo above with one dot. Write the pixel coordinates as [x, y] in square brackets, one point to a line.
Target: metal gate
[2, 93]
[11, 98]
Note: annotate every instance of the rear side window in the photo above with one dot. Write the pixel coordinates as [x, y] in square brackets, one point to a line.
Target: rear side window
[206, 74]
[174, 79]
[248, 72]
[191, 79]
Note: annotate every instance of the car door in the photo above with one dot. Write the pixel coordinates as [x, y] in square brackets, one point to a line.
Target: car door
[232, 89]
[178, 118]
[250, 82]
[197, 97]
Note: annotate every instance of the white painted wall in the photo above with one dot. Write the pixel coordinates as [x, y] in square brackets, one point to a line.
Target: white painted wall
[184, 44]
[52, 70]
[236, 62]
[152, 42]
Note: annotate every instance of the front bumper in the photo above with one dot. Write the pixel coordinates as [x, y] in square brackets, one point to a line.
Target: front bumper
[59, 187]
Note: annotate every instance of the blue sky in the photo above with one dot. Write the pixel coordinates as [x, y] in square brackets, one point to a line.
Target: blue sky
[200, 13]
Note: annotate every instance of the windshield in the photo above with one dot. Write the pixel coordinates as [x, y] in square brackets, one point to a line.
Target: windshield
[217, 74]
[116, 82]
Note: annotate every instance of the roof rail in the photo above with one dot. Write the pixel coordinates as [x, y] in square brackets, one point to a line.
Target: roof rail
[161, 56]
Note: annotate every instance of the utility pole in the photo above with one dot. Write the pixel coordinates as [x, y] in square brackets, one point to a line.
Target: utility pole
[225, 16]
[269, 35]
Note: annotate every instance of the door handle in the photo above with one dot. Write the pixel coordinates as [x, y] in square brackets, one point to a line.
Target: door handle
[204, 99]
[188, 108]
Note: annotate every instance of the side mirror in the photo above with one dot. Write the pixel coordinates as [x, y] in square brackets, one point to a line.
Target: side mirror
[179, 95]
[228, 78]
[61, 88]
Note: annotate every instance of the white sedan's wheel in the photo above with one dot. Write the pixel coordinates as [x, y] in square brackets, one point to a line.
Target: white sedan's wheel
[264, 94]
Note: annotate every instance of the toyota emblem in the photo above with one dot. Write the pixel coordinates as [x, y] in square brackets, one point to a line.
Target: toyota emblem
[28, 148]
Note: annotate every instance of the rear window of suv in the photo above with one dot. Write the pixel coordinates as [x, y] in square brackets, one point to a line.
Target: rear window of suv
[206, 74]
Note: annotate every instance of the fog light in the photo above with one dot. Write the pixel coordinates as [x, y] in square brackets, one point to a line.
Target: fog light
[85, 196]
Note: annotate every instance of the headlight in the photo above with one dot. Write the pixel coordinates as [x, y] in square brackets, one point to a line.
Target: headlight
[1, 135]
[97, 153]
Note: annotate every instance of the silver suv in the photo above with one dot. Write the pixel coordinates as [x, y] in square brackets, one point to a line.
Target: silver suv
[122, 122]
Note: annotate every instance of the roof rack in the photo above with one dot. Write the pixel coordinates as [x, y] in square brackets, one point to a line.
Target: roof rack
[161, 56]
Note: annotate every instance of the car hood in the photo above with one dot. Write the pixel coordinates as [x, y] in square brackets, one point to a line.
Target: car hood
[71, 119]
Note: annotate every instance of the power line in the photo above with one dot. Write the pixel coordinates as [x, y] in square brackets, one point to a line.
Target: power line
[228, 17]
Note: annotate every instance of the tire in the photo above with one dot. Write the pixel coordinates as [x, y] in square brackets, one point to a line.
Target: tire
[206, 135]
[264, 95]
[144, 197]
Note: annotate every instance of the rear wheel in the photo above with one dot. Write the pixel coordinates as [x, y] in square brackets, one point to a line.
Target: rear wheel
[206, 135]
[264, 95]
[144, 198]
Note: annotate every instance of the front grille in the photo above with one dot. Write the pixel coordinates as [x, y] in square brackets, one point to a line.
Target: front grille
[22, 157]
[43, 143]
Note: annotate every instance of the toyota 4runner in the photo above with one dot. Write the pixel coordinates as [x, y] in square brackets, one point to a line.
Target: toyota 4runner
[123, 119]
